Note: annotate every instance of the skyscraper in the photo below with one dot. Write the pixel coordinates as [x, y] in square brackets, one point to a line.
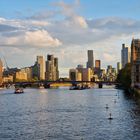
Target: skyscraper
[1, 71]
[135, 62]
[90, 62]
[41, 69]
[52, 72]
[98, 64]
[125, 55]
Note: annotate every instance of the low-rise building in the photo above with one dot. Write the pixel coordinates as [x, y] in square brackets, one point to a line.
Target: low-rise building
[20, 76]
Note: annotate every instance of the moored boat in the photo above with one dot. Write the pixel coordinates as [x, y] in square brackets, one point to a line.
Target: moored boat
[19, 91]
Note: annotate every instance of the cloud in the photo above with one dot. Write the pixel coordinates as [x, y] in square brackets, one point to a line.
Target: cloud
[38, 38]
[73, 32]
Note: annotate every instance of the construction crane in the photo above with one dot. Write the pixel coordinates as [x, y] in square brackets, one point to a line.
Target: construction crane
[7, 68]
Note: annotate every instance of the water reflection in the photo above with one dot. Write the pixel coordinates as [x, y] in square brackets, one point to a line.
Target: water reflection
[65, 114]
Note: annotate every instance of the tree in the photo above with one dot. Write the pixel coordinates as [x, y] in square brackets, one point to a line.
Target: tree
[124, 76]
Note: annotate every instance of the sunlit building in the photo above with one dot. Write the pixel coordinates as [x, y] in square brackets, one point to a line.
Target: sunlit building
[1, 71]
[118, 67]
[8, 79]
[41, 67]
[98, 64]
[52, 72]
[86, 74]
[27, 70]
[20, 76]
[135, 62]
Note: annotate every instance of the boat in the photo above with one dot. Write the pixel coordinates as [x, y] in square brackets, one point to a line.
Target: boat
[19, 90]
[79, 87]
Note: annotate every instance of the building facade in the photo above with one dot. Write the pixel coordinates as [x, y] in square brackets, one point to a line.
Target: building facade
[1, 72]
[125, 55]
[52, 72]
[73, 74]
[41, 67]
[98, 64]
[90, 62]
[20, 76]
[118, 67]
[28, 70]
[135, 62]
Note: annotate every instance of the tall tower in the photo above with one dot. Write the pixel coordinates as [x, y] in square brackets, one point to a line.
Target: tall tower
[90, 62]
[41, 69]
[52, 72]
[1, 71]
[135, 62]
[125, 55]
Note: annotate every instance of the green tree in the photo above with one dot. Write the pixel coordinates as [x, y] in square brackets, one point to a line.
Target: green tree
[124, 76]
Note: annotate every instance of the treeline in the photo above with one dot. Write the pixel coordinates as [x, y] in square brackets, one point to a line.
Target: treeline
[124, 77]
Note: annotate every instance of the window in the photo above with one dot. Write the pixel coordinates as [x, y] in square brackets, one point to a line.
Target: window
[137, 78]
[137, 68]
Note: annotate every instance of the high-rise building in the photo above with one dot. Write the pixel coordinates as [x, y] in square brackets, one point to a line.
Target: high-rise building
[98, 64]
[73, 74]
[1, 71]
[90, 62]
[52, 72]
[125, 55]
[135, 62]
[41, 69]
[86, 74]
[118, 67]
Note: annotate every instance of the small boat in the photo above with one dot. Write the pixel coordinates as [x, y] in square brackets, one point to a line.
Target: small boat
[19, 91]
[77, 88]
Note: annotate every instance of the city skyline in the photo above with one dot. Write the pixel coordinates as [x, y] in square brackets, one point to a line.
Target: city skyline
[28, 29]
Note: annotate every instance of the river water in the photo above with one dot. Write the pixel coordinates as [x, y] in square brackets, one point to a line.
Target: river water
[63, 114]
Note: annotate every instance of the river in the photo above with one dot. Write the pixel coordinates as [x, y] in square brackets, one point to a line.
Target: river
[63, 114]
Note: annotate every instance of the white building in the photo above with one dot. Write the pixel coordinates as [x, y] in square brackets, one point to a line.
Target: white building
[125, 55]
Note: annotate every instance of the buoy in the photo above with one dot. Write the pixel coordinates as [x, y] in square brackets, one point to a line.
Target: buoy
[107, 106]
[110, 116]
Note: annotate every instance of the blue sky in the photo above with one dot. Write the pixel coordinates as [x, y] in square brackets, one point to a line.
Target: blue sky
[67, 29]
[88, 8]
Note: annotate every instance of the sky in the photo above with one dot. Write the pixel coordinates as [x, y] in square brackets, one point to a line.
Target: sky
[67, 29]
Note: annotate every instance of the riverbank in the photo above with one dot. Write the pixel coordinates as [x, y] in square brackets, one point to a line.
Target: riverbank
[136, 92]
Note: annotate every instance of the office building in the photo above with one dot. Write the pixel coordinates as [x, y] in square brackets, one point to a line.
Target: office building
[111, 74]
[52, 72]
[90, 62]
[98, 64]
[125, 55]
[41, 67]
[135, 62]
[86, 74]
[73, 74]
[20, 76]
[1, 72]
[28, 70]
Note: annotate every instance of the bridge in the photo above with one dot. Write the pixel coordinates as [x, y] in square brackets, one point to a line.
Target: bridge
[48, 84]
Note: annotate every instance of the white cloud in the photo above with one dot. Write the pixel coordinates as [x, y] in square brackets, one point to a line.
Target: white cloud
[41, 38]
[38, 38]
[72, 32]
